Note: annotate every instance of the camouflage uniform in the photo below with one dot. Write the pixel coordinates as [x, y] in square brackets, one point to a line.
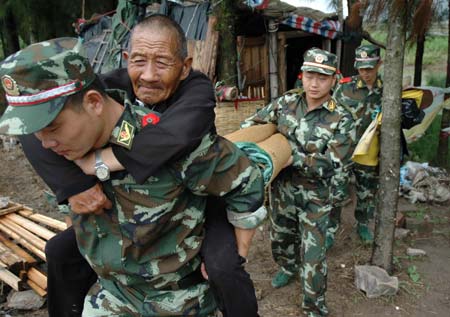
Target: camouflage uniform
[304, 193]
[145, 250]
[154, 232]
[364, 103]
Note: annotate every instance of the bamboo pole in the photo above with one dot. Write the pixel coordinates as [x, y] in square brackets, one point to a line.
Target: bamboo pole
[31, 226]
[23, 241]
[8, 277]
[37, 277]
[41, 292]
[53, 223]
[38, 242]
[29, 259]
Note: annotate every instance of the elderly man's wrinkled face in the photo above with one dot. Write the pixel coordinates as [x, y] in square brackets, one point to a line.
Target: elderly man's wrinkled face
[154, 65]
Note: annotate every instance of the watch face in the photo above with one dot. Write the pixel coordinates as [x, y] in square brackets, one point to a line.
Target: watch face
[102, 173]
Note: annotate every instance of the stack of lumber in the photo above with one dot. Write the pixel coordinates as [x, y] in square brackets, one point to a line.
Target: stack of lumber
[23, 235]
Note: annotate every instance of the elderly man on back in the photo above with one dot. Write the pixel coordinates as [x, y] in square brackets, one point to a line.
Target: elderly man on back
[158, 79]
[145, 249]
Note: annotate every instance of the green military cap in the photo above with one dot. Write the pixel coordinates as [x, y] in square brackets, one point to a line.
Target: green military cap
[367, 56]
[319, 61]
[37, 81]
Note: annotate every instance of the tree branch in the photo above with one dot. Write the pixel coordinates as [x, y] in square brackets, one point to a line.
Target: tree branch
[368, 37]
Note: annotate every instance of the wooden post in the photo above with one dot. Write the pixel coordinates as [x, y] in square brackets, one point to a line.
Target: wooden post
[339, 42]
[282, 61]
[273, 59]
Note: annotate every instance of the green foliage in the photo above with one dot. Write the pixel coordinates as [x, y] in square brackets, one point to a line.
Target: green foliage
[436, 79]
[413, 274]
[424, 149]
[435, 47]
[39, 20]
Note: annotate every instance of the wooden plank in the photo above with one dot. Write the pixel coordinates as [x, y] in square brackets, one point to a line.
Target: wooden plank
[52, 223]
[11, 209]
[41, 292]
[37, 277]
[209, 48]
[31, 226]
[8, 257]
[38, 242]
[8, 277]
[214, 44]
[23, 241]
[29, 259]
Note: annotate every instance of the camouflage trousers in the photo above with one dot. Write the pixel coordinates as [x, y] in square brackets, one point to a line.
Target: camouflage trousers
[366, 186]
[366, 192]
[108, 299]
[299, 220]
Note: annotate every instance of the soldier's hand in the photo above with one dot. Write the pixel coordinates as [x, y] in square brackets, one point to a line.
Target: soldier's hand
[92, 200]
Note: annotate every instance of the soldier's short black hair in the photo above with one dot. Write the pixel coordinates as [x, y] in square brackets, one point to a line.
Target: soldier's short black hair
[76, 100]
[162, 22]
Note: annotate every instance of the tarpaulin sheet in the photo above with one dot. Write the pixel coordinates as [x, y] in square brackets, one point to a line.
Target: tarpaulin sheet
[326, 28]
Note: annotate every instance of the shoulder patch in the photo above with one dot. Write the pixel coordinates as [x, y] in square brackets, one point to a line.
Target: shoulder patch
[345, 80]
[126, 134]
[331, 105]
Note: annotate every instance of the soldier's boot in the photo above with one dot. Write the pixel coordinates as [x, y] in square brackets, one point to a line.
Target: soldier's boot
[329, 240]
[331, 234]
[281, 279]
[364, 233]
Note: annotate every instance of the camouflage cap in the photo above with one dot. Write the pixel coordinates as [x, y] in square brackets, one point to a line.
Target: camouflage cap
[367, 56]
[37, 81]
[319, 61]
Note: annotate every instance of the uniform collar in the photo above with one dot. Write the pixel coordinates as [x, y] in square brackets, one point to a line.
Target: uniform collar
[330, 104]
[361, 84]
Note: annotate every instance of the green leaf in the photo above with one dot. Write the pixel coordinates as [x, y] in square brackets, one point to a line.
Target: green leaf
[413, 274]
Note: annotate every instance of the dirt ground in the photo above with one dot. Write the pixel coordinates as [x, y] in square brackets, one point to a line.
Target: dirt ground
[430, 296]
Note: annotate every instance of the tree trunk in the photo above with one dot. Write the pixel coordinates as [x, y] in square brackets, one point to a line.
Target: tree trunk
[420, 47]
[382, 254]
[225, 12]
[9, 31]
[442, 151]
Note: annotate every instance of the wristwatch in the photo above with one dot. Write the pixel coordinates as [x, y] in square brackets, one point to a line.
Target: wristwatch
[101, 169]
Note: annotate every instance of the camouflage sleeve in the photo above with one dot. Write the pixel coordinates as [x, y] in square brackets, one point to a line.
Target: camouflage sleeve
[341, 177]
[334, 161]
[345, 101]
[217, 167]
[268, 114]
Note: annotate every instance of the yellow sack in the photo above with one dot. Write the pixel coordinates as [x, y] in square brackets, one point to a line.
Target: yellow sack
[416, 94]
[368, 147]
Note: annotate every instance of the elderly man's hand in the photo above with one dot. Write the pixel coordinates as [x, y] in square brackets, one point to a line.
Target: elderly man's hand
[243, 240]
[92, 200]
